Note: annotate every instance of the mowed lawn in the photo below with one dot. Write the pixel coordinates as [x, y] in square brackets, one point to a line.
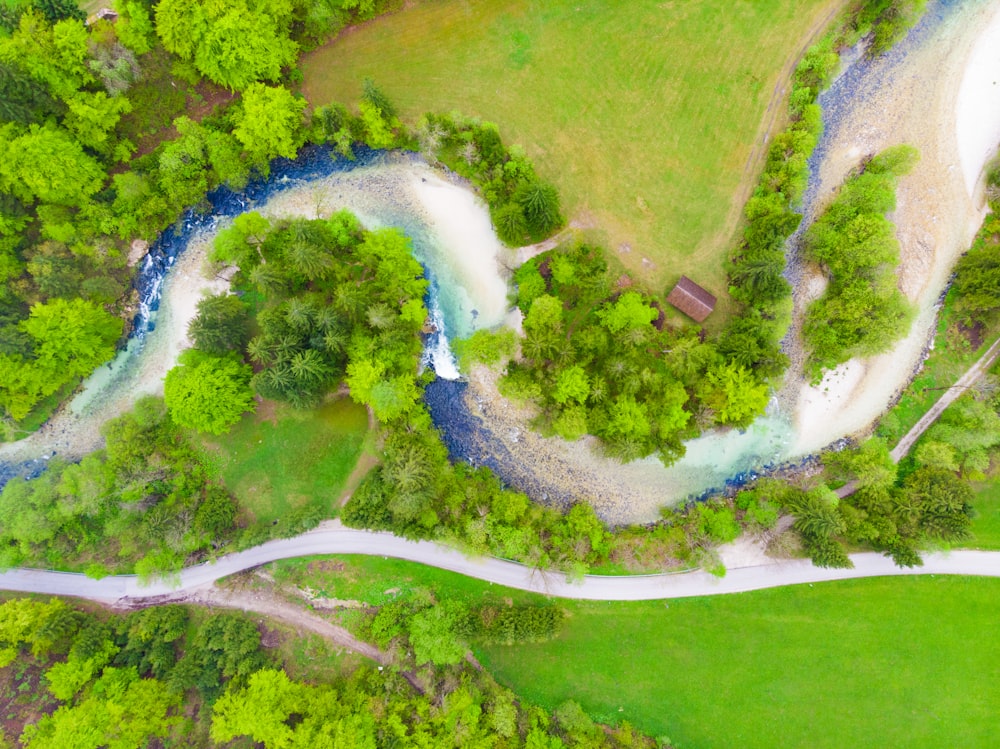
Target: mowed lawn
[986, 522]
[281, 459]
[644, 113]
[891, 662]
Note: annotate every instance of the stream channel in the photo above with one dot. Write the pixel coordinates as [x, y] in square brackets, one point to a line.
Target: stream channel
[871, 105]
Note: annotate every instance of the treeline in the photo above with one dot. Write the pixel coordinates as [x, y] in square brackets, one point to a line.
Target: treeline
[887, 21]
[422, 630]
[897, 510]
[861, 312]
[977, 275]
[170, 676]
[524, 209]
[597, 358]
[146, 500]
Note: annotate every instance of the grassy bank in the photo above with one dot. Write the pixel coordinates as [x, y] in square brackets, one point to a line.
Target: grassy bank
[956, 348]
[880, 662]
[586, 87]
[281, 459]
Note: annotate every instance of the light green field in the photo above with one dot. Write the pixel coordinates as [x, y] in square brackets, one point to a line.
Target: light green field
[644, 113]
[896, 662]
[986, 523]
[282, 459]
[890, 662]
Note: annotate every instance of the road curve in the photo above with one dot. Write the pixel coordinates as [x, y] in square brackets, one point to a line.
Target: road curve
[333, 538]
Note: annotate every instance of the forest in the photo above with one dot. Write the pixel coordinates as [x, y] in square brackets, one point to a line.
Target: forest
[177, 676]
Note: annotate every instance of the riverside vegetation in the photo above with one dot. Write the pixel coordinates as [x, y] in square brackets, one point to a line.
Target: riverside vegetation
[928, 499]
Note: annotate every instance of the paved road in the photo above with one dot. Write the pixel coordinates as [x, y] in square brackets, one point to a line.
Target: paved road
[974, 372]
[332, 538]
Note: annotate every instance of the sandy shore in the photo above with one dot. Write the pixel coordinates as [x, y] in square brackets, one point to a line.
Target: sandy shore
[977, 109]
[941, 98]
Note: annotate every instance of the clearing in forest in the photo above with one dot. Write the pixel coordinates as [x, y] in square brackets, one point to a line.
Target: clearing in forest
[644, 114]
[280, 459]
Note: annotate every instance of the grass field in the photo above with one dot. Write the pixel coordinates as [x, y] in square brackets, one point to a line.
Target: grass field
[897, 662]
[892, 662]
[644, 113]
[986, 523]
[281, 459]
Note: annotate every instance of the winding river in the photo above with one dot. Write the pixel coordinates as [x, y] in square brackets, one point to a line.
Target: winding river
[936, 91]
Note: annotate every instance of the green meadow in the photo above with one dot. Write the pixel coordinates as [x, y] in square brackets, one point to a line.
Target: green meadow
[645, 113]
[281, 459]
[883, 662]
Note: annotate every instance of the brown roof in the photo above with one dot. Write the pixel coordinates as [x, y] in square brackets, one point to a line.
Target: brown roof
[691, 299]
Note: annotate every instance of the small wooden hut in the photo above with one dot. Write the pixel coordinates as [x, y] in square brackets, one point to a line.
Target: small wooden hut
[691, 299]
[104, 14]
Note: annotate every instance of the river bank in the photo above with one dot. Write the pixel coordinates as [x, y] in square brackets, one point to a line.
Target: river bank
[935, 91]
[451, 235]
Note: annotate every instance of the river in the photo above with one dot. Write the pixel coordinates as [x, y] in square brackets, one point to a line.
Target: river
[933, 87]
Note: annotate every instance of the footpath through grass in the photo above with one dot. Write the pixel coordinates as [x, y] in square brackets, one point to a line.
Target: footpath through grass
[281, 459]
[956, 348]
[643, 113]
[892, 662]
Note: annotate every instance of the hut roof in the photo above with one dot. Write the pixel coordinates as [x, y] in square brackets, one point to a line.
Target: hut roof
[691, 299]
[104, 14]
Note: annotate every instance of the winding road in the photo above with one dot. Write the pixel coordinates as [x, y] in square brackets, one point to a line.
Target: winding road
[332, 538]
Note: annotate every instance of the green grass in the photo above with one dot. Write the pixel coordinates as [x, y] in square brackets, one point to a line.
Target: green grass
[283, 459]
[897, 662]
[376, 580]
[888, 662]
[986, 523]
[644, 113]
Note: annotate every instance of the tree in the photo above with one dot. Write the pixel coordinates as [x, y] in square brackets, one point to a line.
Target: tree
[208, 393]
[121, 712]
[433, 634]
[232, 42]
[47, 164]
[269, 124]
[629, 312]
[540, 203]
[737, 397]
[135, 28]
[572, 384]
[221, 325]
[23, 98]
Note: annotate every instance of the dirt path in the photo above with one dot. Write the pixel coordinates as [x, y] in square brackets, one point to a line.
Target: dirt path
[272, 606]
[952, 394]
